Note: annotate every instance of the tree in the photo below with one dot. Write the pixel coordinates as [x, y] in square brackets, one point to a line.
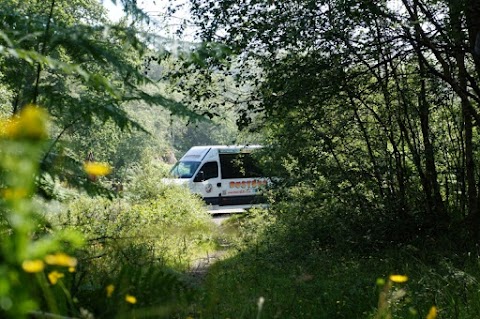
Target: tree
[364, 94]
[67, 57]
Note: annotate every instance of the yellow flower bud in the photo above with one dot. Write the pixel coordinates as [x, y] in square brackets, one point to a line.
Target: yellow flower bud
[110, 289]
[432, 314]
[14, 193]
[31, 123]
[33, 266]
[398, 278]
[97, 169]
[130, 299]
[61, 259]
[54, 276]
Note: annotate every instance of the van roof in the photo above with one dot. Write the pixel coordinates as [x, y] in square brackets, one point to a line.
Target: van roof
[226, 146]
[197, 153]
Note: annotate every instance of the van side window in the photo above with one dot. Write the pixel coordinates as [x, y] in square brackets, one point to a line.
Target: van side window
[207, 171]
[241, 165]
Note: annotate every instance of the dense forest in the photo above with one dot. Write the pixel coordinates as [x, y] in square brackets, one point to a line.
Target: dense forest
[369, 115]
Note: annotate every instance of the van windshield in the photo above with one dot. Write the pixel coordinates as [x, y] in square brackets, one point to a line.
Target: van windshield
[184, 169]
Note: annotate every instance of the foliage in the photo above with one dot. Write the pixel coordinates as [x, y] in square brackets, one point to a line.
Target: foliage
[88, 75]
[139, 242]
[318, 280]
[369, 104]
[84, 70]
[168, 138]
[371, 114]
[136, 245]
[27, 240]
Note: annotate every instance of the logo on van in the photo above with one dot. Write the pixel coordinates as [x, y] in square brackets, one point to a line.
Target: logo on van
[249, 184]
[208, 188]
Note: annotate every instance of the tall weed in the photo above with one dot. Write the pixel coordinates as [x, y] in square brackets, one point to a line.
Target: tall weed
[35, 265]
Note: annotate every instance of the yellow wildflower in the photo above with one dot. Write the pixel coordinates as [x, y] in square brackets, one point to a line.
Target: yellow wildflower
[14, 193]
[33, 266]
[97, 169]
[110, 289]
[398, 278]
[71, 269]
[61, 259]
[130, 299]
[432, 314]
[54, 276]
[9, 127]
[30, 123]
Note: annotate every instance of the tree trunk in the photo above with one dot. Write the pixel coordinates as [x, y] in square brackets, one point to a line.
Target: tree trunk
[43, 51]
[472, 13]
[467, 110]
[371, 155]
[438, 207]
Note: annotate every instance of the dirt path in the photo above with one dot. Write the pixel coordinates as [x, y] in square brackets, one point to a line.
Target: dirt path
[200, 266]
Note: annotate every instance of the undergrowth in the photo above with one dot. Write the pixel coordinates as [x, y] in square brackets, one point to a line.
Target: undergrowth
[141, 243]
[283, 272]
[307, 256]
[92, 257]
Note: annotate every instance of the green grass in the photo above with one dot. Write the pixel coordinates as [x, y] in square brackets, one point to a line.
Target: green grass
[321, 288]
[316, 282]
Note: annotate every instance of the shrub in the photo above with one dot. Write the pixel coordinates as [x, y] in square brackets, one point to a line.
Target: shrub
[138, 243]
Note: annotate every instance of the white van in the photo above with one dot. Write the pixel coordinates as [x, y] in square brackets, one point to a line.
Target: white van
[221, 175]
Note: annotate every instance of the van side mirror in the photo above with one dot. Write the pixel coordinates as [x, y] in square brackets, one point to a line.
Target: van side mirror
[200, 177]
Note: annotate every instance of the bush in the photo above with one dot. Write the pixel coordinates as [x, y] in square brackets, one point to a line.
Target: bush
[138, 243]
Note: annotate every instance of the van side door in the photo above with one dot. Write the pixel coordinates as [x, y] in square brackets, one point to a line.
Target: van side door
[207, 182]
